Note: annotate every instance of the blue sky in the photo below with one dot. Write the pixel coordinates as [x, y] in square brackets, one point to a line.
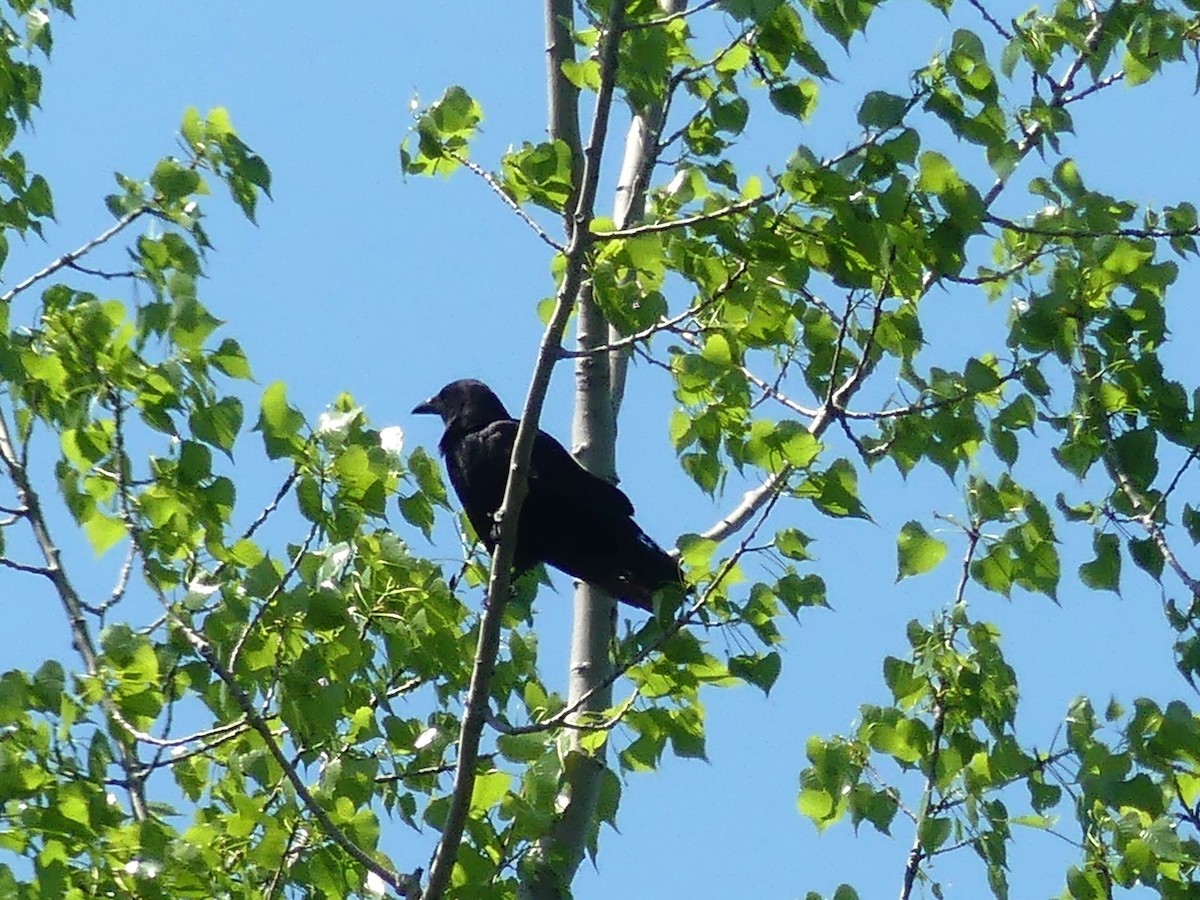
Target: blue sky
[358, 280]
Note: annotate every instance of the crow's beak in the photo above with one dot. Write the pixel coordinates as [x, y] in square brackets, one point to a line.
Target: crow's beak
[425, 409]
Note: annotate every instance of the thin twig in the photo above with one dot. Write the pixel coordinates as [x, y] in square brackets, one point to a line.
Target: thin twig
[930, 405]
[991, 20]
[1100, 85]
[686, 221]
[272, 506]
[69, 258]
[498, 189]
[1154, 233]
[663, 324]
[202, 750]
[873, 138]
[44, 571]
[672, 17]
[98, 273]
[1003, 275]
[1191, 457]
[292, 568]
[122, 580]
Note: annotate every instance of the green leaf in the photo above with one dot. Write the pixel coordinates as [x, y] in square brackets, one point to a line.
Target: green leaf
[279, 423]
[522, 748]
[881, 110]
[174, 181]
[218, 424]
[37, 198]
[834, 491]
[489, 790]
[1147, 556]
[759, 669]
[104, 532]
[933, 832]
[1104, 572]
[793, 543]
[1136, 452]
[1191, 522]
[937, 174]
[816, 804]
[716, 350]
[917, 551]
[443, 133]
[584, 74]
[796, 100]
[230, 359]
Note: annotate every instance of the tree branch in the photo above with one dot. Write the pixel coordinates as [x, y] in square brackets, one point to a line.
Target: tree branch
[512, 204]
[402, 884]
[1156, 233]
[1058, 96]
[686, 221]
[669, 324]
[71, 602]
[68, 259]
[517, 486]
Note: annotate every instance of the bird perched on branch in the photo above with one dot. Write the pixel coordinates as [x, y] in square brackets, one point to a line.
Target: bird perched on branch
[572, 520]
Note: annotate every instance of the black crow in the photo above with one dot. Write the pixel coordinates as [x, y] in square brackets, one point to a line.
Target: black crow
[571, 519]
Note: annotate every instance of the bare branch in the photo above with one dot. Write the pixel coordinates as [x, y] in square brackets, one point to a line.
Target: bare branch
[218, 734]
[752, 501]
[1156, 233]
[512, 204]
[671, 17]
[991, 20]
[687, 221]
[118, 591]
[262, 517]
[26, 567]
[68, 259]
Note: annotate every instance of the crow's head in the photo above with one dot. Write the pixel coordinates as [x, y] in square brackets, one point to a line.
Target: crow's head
[465, 405]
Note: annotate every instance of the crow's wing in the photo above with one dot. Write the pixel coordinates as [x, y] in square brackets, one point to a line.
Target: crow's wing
[571, 519]
[555, 470]
[479, 471]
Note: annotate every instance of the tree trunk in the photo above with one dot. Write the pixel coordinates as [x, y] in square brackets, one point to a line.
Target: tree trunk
[599, 389]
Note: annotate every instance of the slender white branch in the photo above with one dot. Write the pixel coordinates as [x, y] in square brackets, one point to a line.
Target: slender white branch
[68, 259]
